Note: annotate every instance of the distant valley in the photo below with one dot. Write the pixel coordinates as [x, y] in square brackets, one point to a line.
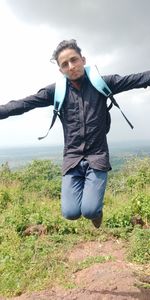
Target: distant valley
[119, 153]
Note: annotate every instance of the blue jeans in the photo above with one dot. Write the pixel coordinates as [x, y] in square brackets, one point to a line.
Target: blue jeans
[83, 191]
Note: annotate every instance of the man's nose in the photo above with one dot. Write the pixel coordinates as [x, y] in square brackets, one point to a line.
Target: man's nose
[71, 65]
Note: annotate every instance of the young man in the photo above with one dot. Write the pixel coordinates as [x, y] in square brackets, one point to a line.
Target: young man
[83, 116]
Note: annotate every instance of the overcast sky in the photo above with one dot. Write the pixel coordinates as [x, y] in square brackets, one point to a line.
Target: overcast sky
[114, 34]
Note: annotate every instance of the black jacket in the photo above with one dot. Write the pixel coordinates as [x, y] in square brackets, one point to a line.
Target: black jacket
[83, 117]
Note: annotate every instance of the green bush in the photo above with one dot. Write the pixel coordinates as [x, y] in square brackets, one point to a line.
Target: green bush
[133, 177]
[39, 170]
[4, 199]
[5, 174]
[140, 205]
[43, 177]
[138, 176]
[122, 219]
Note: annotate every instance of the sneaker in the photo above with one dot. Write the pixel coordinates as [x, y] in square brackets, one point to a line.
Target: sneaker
[98, 221]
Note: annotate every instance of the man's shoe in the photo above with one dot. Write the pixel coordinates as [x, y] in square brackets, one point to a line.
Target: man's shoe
[98, 221]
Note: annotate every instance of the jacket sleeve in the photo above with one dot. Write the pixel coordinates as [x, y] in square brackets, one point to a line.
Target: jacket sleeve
[119, 84]
[44, 97]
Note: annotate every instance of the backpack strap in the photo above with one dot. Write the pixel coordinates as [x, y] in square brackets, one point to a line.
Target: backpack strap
[101, 86]
[97, 81]
[60, 92]
[59, 96]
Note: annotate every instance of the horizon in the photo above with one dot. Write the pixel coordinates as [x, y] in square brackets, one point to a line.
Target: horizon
[122, 143]
[19, 157]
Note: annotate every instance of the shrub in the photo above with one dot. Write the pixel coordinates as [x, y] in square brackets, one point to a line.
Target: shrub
[43, 177]
[5, 174]
[138, 176]
[4, 199]
[140, 205]
[119, 219]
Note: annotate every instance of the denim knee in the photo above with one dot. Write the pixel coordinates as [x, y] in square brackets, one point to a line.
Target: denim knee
[90, 212]
[70, 214]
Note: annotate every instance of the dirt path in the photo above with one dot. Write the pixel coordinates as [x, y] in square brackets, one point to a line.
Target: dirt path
[112, 280]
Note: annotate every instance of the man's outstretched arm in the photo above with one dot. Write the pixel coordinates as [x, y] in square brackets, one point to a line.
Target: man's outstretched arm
[119, 84]
[45, 97]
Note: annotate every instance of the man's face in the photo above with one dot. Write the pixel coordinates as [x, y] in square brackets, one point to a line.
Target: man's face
[71, 64]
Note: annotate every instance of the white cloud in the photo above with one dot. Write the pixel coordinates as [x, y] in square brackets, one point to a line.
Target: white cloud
[25, 68]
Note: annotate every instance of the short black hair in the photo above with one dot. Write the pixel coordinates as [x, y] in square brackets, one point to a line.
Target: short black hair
[65, 44]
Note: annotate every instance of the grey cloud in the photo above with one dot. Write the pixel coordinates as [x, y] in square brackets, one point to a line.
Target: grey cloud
[102, 26]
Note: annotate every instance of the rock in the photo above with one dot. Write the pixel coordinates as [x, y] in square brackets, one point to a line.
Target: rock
[38, 229]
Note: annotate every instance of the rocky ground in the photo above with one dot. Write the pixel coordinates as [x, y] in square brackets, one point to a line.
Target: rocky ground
[116, 279]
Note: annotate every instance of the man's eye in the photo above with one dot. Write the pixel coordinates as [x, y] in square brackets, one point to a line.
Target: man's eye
[64, 65]
[74, 59]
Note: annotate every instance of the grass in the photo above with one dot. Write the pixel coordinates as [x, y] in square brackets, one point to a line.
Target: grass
[91, 260]
[32, 262]
[35, 262]
[139, 246]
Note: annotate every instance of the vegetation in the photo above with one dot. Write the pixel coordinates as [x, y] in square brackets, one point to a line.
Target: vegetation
[30, 198]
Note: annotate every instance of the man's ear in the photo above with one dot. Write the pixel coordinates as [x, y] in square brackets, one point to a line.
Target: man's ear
[84, 60]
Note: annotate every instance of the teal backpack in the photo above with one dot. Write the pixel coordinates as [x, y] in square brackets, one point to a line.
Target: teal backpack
[98, 82]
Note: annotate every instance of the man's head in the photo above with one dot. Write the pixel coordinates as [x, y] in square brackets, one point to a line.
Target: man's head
[69, 59]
